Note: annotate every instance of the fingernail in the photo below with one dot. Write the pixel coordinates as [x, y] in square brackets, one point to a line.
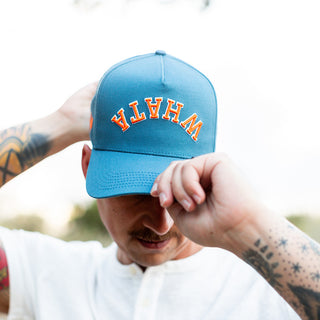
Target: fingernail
[154, 188]
[162, 198]
[196, 198]
[186, 204]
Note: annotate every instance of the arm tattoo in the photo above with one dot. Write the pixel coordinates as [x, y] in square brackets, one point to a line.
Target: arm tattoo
[290, 263]
[259, 259]
[20, 149]
[309, 299]
[4, 282]
[4, 272]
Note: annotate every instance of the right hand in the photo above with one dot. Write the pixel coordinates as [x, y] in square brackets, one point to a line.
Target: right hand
[76, 111]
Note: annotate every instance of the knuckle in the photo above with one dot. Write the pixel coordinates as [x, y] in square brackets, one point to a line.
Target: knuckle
[223, 156]
[179, 195]
[174, 163]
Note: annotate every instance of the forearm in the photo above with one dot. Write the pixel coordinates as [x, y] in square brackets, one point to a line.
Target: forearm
[286, 258]
[213, 205]
[23, 146]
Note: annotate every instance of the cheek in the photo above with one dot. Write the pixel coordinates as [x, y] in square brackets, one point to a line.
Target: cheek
[114, 222]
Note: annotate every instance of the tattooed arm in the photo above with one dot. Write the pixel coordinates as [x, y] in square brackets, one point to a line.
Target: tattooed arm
[23, 146]
[4, 281]
[289, 260]
[215, 207]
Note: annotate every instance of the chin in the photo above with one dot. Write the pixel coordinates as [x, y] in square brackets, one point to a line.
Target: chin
[147, 261]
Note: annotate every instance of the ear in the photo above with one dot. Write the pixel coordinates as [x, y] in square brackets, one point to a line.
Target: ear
[86, 154]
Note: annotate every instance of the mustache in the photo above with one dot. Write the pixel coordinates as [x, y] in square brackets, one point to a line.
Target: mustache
[149, 236]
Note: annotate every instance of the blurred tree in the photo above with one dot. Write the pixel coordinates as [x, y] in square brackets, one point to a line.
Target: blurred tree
[90, 4]
[206, 3]
[85, 225]
[309, 224]
[31, 222]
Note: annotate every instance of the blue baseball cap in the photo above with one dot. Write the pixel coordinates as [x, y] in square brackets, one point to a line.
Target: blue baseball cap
[148, 111]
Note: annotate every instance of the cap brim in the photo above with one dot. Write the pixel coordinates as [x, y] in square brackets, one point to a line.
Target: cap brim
[112, 174]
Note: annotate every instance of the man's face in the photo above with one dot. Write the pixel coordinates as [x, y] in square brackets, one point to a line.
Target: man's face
[143, 230]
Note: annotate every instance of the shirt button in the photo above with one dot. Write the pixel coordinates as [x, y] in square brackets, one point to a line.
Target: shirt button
[133, 271]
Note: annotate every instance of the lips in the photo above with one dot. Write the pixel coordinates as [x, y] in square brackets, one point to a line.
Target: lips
[153, 244]
[150, 240]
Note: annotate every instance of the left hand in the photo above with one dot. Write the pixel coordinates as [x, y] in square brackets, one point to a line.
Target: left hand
[208, 199]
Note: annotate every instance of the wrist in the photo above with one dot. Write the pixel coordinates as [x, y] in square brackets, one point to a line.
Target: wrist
[74, 124]
[255, 226]
[58, 131]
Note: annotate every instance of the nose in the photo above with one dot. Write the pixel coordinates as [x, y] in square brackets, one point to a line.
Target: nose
[158, 219]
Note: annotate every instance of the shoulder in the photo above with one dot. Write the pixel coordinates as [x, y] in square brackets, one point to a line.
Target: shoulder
[34, 247]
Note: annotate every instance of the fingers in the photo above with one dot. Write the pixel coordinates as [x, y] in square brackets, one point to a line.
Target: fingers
[180, 182]
[75, 112]
[161, 187]
[90, 90]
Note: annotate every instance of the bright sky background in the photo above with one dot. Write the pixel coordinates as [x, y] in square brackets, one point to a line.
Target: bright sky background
[261, 56]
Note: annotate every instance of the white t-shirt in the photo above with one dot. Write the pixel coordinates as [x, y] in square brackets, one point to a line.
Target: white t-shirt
[54, 280]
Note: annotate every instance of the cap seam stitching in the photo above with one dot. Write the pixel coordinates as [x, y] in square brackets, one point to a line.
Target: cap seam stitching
[168, 155]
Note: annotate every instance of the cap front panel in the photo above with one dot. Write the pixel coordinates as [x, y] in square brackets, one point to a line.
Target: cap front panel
[155, 105]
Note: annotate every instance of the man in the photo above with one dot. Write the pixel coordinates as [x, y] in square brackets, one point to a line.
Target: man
[189, 232]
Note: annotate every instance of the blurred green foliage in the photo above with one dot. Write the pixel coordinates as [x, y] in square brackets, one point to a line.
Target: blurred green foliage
[309, 224]
[30, 222]
[85, 224]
